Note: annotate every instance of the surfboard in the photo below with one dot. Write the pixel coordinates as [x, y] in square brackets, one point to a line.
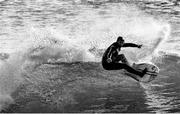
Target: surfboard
[152, 72]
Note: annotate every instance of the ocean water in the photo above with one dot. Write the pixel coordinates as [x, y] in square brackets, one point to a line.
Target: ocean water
[50, 55]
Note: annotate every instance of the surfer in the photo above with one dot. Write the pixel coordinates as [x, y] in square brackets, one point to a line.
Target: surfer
[111, 58]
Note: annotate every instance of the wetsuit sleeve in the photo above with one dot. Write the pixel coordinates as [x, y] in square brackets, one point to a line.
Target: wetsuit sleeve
[110, 51]
[130, 45]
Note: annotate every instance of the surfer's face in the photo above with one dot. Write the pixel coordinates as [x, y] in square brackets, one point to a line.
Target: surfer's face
[121, 42]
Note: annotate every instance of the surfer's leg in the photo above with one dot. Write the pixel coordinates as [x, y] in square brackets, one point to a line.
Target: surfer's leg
[112, 66]
[119, 66]
[122, 58]
[132, 70]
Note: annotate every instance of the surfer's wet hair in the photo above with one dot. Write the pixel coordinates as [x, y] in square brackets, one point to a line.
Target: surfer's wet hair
[120, 38]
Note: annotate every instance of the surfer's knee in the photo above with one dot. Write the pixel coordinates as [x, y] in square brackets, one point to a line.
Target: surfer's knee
[123, 59]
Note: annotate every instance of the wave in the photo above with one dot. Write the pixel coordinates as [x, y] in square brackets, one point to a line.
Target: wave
[84, 40]
[52, 86]
[68, 63]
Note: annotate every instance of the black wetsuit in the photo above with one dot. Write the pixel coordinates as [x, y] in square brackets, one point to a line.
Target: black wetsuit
[112, 53]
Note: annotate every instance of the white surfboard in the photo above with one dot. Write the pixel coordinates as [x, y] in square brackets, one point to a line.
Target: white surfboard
[152, 72]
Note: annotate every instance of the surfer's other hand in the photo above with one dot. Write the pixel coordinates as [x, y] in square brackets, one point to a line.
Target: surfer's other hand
[139, 46]
[109, 60]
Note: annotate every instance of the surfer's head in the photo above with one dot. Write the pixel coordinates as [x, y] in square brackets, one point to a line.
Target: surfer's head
[120, 40]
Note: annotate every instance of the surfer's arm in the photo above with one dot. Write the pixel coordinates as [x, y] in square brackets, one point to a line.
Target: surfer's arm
[110, 52]
[131, 45]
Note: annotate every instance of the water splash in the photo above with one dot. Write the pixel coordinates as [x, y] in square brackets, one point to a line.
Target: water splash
[10, 78]
[163, 36]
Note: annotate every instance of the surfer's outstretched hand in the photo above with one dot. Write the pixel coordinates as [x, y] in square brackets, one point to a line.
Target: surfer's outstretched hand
[139, 46]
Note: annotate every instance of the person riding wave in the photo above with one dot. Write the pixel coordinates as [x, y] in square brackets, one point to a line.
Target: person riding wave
[111, 58]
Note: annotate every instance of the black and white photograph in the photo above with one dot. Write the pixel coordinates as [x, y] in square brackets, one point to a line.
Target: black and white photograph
[90, 56]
